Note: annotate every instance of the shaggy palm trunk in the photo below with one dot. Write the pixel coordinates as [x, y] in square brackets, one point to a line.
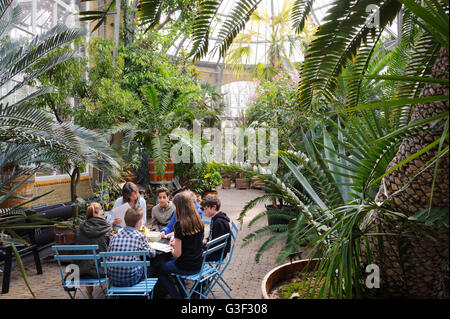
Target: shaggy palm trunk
[412, 265]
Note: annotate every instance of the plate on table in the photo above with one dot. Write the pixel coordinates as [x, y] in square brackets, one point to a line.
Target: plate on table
[161, 247]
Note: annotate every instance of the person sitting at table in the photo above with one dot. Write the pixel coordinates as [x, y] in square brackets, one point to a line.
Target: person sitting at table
[187, 245]
[130, 195]
[162, 213]
[167, 232]
[94, 231]
[220, 224]
[129, 239]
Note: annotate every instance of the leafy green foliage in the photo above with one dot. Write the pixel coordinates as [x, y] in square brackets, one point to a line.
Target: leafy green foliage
[205, 178]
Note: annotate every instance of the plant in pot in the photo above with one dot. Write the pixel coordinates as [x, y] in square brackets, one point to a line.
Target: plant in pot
[242, 181]
[130, 167]
[228, 176]
[206, 179]
[161, 114]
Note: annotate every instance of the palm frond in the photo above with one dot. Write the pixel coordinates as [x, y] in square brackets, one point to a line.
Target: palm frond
[149, 12]
[234, 23]
[301, 9]
[337, 42]
[202, 28]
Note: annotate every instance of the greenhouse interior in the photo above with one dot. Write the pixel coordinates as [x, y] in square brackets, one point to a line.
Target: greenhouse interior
[224, 149]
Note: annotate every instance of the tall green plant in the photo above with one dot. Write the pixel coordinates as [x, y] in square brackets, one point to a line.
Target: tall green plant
[27, 134]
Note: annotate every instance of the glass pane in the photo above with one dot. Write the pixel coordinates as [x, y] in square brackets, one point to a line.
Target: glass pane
[44, 18]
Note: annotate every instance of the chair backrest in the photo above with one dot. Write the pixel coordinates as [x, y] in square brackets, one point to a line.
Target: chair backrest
[234, 231]
[216, 241]
[209, 250]
[141, 261]
[84, 252]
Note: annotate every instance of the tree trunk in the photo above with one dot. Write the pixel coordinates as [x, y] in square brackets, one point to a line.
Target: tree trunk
[410, 264]
[74, 180]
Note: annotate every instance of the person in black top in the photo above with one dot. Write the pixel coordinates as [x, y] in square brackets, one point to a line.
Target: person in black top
[220, 224]
[187, 245]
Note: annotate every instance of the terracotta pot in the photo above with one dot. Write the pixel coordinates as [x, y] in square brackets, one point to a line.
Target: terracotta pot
[64, 235]
[168, 172]
[284, 272]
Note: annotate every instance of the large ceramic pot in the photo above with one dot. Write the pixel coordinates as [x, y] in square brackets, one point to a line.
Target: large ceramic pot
[284, 272]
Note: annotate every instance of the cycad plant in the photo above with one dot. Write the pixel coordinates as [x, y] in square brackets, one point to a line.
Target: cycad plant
[390, 154]
[416, 178]
[27, 135]
[399, 229]
[163, 112]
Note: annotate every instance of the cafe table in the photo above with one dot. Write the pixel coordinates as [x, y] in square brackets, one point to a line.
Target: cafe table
[161, 256]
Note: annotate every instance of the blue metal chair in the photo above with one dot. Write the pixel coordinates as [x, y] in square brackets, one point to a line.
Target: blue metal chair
[222, 265]
[75, 282]
[205, 278]
[142, 288]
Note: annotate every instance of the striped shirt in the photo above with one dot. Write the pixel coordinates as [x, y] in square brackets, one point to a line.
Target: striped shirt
[129, 239]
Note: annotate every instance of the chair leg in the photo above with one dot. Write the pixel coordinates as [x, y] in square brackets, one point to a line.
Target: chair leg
[7, 270]
[37, 260]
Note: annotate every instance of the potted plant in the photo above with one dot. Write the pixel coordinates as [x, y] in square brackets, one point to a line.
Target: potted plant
[228, 177]
[205, 180]
[130, 168]
[291, 275]
[242, 182]
[163, 112]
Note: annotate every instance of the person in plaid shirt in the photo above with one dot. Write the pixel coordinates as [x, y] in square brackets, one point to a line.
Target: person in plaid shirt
[129, 239]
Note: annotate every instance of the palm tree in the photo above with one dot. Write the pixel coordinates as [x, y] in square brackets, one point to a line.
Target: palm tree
[283, 42]
[28, 135]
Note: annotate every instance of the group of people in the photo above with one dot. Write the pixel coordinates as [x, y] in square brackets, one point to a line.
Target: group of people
[179, 220]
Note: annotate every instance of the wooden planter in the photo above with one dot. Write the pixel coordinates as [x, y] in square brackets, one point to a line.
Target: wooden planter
[130, 177]
[26, 191]
[242, 183]
[284, 272]
[168, 172]
[64, 235]
[226, 182]
[257, 183]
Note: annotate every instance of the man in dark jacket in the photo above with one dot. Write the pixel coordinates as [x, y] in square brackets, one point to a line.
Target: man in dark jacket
[220, 224]
[94, 231]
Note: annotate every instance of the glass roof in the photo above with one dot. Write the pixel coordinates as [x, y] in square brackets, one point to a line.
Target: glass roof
[262, 33]
[269, 26]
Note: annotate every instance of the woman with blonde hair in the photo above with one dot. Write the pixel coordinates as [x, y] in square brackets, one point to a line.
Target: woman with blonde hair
[94, 231]
[187, 244]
